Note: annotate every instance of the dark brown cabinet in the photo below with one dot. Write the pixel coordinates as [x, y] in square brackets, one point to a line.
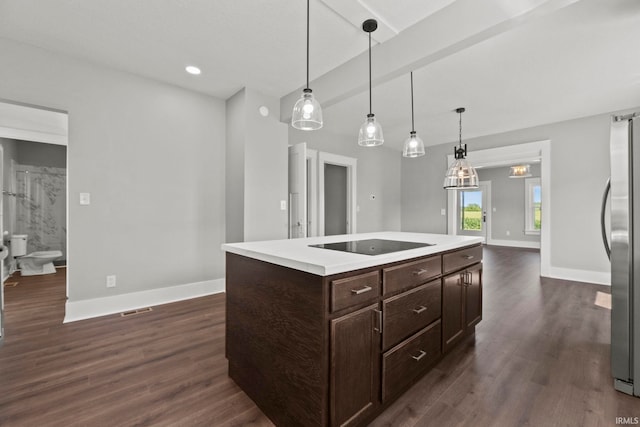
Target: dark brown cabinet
[336, 350]
[355, 366]
[473, 297]
[461, 304]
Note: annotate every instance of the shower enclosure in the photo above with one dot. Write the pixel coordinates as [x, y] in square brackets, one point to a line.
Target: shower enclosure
[40, 207]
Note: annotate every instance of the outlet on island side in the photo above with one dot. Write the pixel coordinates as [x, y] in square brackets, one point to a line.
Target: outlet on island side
[111, 281]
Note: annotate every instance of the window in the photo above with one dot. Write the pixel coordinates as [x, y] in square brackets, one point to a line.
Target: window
[470, 210]
[532, 206]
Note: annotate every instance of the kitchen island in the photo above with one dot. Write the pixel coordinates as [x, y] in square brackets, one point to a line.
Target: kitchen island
[318, 335]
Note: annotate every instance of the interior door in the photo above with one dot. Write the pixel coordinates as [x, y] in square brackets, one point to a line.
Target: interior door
[298, 190]
[474, 211]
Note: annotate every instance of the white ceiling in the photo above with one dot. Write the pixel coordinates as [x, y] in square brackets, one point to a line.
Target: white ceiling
[511, 63]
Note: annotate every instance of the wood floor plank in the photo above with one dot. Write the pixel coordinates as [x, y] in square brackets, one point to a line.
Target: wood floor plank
[540, 357]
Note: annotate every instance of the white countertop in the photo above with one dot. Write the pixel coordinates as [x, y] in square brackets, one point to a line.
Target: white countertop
[296, 253]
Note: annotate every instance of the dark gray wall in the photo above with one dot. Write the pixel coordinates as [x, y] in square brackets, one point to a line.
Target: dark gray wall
[41, 154]
[508, 204]
[335, 200]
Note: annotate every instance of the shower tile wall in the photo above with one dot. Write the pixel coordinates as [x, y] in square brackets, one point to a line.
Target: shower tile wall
[41, 207]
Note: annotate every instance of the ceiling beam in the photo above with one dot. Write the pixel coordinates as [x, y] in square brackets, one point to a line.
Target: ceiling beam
[458, 26]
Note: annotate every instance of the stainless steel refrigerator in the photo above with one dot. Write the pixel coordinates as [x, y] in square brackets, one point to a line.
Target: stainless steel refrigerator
[624, 251]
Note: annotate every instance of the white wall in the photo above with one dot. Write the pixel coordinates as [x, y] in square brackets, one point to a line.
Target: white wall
[234, 167]
[266, 169]
[152, 157]
[378, 175]
[579, 169]
[257, 169]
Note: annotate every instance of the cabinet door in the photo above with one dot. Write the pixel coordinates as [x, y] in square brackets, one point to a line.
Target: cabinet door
[355, 366]
[473, 298]
[453, 323]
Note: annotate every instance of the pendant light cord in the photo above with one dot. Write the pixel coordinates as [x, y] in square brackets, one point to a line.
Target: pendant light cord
[370, 103]
[412, 124]
[307, 44]
[460, 133]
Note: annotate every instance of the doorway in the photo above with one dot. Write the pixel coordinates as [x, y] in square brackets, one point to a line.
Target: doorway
[338, 195]
[322, 193]
[335, 200]
[34, 195]
[509, 155]
[473, 213]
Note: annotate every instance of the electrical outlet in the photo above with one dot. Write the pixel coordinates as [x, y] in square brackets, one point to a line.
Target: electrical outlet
[508, 233]
[111, 281]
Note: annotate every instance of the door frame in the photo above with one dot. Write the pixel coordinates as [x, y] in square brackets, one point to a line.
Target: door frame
[312, 193]
[36, 123]
[351, 164]
[509, 154]
[486, 207]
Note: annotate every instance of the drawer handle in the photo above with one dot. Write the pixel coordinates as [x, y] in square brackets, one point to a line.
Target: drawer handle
[420, 356]
[378, 327]
[420, 309]
[361, 291]
[419, 272]
[468, 256]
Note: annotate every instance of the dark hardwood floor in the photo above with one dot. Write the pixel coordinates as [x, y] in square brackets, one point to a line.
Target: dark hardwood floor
[540, 358]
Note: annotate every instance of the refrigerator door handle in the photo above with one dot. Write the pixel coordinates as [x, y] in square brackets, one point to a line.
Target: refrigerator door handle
[603, 211]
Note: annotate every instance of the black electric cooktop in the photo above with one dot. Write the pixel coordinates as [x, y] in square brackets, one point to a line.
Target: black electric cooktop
[371, 246]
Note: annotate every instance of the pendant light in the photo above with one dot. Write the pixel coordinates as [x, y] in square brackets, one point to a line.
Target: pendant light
[460, 175]
[413, 146]
[307, 113]
[519, 171]
[370, 133]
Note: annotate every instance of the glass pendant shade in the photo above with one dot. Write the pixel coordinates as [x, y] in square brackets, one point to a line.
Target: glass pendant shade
[519, 171]
[370, 134]
[461, 176]
[413, 146]
[307, 113]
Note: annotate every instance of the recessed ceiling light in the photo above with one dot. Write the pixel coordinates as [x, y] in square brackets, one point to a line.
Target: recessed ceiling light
[193, 70]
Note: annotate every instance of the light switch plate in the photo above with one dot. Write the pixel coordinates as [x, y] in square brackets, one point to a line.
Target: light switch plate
[85, 198]
[283, 205]
[443, 212]
[111, 281]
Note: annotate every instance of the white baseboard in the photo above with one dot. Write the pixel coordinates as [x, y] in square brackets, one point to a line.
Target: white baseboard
[596, 277]
[86, 309]
[514, 243]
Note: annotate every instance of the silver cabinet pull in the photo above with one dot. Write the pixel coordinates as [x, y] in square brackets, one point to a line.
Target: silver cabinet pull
[468, 256]
[379, 321]
[420, 309]
[466, 277]
[420, 356]
[361, 291]
[419, 272]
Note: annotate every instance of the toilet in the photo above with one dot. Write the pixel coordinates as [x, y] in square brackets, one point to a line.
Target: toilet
[40, 262]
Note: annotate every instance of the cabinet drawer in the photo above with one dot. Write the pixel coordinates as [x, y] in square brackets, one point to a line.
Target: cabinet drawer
[410, 274]
[459, 259]
[402, 364]
[354, 290]
[409, 312]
